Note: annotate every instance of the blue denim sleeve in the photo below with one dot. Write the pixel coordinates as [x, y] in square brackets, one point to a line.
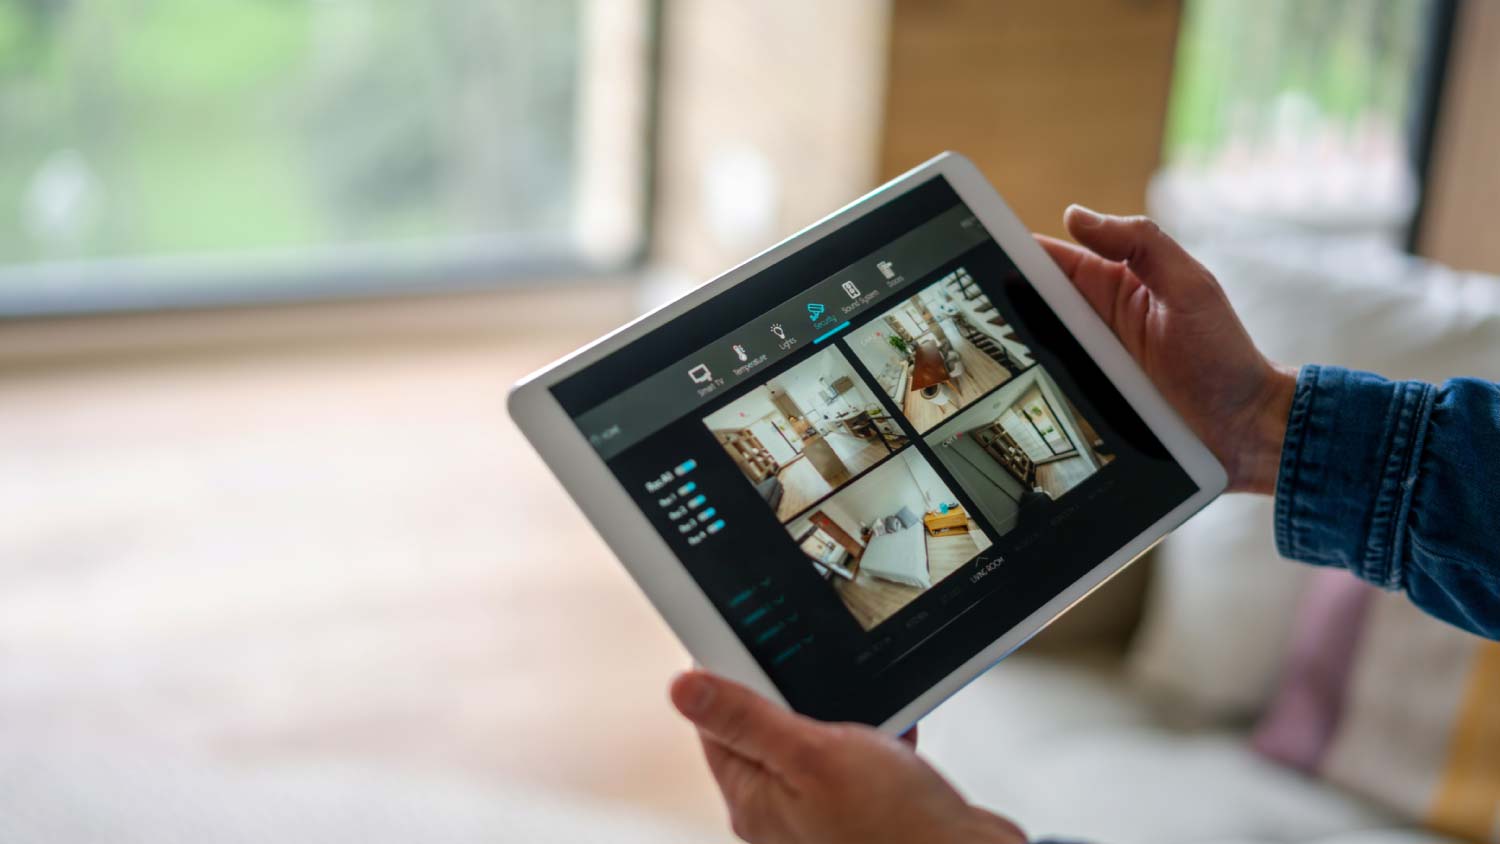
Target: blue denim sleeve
[1398, 482]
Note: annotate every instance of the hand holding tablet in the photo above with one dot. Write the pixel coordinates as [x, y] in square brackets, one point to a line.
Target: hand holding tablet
[859, 469]
[1229, 393]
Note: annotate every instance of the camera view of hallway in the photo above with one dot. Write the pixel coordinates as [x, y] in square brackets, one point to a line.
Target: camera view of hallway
[805, 433]
[1019, 448]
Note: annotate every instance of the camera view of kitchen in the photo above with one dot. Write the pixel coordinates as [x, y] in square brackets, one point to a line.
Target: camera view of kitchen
[940, 350]
[888, 537]
[1019, 448]
[806, 432]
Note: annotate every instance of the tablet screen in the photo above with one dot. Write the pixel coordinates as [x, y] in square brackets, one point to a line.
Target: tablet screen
[878, 455]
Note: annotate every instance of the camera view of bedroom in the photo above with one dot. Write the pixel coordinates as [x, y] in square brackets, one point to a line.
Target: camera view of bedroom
[888, 537]
[1018, 448]
[940, 350]
[806, 432]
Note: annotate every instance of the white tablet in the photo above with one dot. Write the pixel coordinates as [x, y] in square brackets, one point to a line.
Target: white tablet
[859, 469]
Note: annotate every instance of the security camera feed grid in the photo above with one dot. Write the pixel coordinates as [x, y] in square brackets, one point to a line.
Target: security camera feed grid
[1018, 448]
[938, 351]
[805, 433]
[887, 538]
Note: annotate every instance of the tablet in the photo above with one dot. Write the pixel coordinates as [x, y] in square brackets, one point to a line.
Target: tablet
[860, 468]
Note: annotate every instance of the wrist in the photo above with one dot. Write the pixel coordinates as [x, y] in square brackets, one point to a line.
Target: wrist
[1258, 461]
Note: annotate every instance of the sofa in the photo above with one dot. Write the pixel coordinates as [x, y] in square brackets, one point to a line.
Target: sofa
[1131, 720]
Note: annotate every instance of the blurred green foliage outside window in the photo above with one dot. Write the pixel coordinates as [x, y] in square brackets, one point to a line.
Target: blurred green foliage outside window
[1299, 110]
[167, 128]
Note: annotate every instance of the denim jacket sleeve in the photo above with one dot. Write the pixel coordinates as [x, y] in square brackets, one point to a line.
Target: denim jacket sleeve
[1398, 482]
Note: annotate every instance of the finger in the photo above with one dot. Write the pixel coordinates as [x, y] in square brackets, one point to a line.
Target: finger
[1068, 257]
[735, 774]
[752, 794]
[742, 720]
[910, 737]
[1156, 259]
[1097, 279]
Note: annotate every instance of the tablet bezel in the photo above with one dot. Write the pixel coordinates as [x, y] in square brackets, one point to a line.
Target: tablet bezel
[656, 568]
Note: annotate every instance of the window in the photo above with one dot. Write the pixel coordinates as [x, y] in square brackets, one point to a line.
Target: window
[1285, 111]
[195, 151]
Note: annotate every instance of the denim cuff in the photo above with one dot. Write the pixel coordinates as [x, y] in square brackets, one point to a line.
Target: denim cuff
[1348, 467]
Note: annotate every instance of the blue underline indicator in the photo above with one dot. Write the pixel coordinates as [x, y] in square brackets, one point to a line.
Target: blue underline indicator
[830, 332]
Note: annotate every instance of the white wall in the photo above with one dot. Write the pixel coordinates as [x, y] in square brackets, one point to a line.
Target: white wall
[876, 353]
[1060, 410]
[776, 445]
[929, 484]
[754, 406]
[885, 491]
[801, 383]
[804, 382]
[841, 516]
[771, 118]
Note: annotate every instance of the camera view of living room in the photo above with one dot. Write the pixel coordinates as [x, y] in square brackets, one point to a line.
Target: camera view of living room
[806, 432]
[888, 537]
[939, 350]
[1018, 448]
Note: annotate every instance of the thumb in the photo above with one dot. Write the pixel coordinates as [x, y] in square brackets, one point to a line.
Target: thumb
[1164, 267]
[743, 721]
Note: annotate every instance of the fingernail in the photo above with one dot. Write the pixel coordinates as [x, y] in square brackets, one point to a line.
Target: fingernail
[1084, 217]
[695, 694]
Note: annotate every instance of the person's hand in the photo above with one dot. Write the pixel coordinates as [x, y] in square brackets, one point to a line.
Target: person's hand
[789, 779]
[1174, 319]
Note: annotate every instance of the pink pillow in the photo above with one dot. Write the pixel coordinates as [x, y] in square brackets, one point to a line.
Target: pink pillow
[1391, 704]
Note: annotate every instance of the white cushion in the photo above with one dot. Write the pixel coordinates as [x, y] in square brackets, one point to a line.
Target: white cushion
[1067, 749]
[1217, 614]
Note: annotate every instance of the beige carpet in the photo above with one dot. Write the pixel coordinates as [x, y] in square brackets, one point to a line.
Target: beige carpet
[334, 551]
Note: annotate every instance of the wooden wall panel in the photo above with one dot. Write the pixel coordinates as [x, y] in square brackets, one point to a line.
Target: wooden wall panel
[1463, 190]
[770, 119]
[1056, 102]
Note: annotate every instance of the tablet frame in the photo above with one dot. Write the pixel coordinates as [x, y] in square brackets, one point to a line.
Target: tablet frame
[666, 581]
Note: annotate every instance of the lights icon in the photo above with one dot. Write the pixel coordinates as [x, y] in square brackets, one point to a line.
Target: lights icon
[778, 331]
[815, 310]
[700, 374]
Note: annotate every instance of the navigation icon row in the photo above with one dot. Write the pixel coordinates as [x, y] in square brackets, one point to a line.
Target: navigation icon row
[700, 373]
